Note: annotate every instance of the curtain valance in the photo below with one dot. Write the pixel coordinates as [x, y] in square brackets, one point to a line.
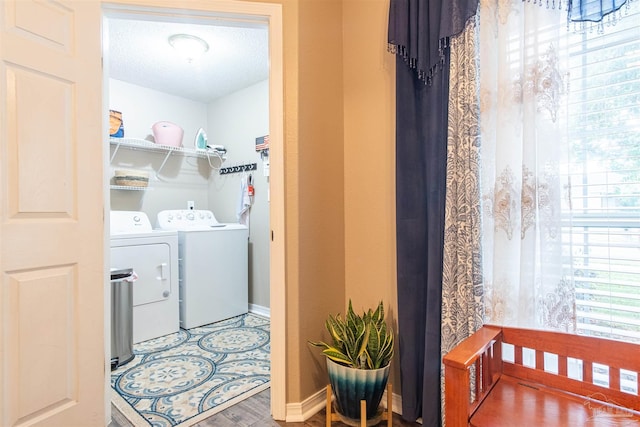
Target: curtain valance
[592, 10]
[419, 30]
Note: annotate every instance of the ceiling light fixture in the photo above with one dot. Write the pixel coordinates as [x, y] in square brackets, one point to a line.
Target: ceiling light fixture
[191, 47]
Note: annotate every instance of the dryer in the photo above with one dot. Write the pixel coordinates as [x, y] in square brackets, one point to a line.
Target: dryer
[153, 255]
[214, 266]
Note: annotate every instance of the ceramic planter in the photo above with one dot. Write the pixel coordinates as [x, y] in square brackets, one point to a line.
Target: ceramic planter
[351, 385]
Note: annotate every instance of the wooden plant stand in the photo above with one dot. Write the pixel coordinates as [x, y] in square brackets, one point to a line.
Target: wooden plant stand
[386, 414]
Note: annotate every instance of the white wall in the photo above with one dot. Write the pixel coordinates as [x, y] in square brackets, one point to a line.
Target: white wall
[182, 178]
[142, 107]
[235, 121]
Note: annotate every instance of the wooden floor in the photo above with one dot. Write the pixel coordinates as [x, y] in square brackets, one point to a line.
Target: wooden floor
[254, 412]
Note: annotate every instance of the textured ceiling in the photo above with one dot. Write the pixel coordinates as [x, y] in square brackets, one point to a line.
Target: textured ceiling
[139, 53]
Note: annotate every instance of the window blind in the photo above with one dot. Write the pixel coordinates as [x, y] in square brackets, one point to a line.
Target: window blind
[601, 213]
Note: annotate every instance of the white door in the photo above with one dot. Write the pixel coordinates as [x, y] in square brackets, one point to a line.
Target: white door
[52, 369]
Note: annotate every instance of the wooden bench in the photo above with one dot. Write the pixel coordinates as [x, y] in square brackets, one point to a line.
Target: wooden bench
[503, 376]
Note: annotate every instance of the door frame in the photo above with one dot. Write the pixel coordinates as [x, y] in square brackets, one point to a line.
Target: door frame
[247, 12]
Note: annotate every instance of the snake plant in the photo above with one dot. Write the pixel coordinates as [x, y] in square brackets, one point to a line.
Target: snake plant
[362, 342]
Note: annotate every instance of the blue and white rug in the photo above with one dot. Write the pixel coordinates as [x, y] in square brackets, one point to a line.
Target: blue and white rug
[182, 378]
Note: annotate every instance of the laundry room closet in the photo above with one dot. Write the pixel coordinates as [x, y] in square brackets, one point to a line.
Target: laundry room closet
[219, 101]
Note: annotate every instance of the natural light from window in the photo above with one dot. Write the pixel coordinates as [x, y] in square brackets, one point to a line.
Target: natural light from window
[601, 210]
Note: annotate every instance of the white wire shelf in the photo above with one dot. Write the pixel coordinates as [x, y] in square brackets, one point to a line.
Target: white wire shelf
[143, 144]
[128, 188]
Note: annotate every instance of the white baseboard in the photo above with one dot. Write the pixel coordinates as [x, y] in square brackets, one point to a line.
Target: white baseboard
[396, 401]
[300, 412]
[260, 310]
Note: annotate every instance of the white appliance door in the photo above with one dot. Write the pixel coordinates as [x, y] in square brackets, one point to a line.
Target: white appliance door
[152, 264]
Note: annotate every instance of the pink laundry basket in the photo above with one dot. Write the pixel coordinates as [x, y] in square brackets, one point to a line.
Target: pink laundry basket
[167, 133]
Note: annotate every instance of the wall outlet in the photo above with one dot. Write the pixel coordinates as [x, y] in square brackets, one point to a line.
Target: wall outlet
[191, 205]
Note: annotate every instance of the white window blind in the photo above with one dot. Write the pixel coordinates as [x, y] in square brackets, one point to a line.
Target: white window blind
[601, 215]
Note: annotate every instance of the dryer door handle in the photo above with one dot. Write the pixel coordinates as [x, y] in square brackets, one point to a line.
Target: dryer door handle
[164, 267]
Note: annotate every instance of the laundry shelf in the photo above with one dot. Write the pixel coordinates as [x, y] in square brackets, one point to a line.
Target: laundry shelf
[143, 144]
[128, 188]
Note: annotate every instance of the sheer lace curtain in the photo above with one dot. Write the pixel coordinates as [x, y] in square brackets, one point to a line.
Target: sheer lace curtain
[522, 118]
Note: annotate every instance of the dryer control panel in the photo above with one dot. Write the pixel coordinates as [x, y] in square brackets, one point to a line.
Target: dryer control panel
[184, 219]
[126, 222]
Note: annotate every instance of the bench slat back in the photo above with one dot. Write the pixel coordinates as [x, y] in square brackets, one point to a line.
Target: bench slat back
[603, 369]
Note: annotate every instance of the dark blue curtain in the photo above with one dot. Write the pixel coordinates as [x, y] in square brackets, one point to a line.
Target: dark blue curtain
[421, 158]
[418, 34]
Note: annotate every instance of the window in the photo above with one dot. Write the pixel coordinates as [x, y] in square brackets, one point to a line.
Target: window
[601, 213]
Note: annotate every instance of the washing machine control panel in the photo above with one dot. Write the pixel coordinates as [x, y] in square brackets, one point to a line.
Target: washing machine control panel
[184, 219]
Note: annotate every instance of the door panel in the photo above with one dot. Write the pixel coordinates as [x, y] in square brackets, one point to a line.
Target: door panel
[50, 22]
[50, 191]
[45, 300]
[51, 214]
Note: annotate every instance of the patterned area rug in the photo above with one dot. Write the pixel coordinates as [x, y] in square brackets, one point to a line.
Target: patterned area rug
[182, 378]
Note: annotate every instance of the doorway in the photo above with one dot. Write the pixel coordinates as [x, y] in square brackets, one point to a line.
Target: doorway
[238, 17]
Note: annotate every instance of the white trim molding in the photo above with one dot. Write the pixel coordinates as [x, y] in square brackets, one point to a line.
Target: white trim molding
[299, 412]
[260, 310]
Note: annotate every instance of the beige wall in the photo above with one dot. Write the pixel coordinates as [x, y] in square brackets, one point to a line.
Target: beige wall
[369, 158]
[339, 160]
[322, 259]
[314, 208]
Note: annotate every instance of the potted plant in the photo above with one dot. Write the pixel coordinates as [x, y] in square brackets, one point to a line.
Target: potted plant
[358, 360]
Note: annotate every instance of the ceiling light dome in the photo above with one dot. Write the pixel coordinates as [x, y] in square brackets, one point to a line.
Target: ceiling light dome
[189, 46]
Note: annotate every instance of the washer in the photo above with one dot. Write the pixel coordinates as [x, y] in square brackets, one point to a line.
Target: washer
[153, 255]
[214, 266]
